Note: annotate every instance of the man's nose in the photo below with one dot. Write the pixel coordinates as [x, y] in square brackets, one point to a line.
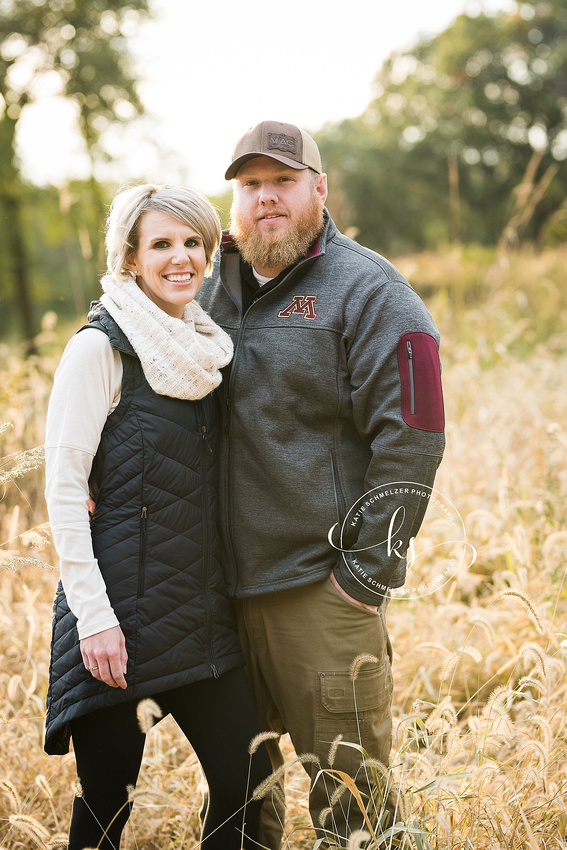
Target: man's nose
[268, 194]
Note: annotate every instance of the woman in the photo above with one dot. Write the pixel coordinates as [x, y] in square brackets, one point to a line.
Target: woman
[141, 610]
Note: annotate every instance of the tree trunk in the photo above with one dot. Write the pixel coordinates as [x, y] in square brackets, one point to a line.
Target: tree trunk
[20, 270]
[454, 198]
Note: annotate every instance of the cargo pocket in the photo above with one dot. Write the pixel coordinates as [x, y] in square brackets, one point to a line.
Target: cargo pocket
[360, 711]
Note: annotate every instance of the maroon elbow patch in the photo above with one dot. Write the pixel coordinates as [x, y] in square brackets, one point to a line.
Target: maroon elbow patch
[420, 375]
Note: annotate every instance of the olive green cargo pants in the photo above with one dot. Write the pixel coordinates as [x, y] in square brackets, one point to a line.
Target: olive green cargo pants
[299, 646]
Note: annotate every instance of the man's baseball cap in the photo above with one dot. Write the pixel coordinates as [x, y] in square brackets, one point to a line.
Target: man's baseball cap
[284, 142]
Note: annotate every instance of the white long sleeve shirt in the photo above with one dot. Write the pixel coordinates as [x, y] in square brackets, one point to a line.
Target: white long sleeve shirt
[87, 387]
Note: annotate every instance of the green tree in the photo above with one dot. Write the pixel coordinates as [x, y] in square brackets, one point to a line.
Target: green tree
[82, 45]
[466, 138]
[61, 227]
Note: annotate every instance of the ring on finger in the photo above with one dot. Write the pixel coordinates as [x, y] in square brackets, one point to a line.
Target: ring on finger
[94, 668]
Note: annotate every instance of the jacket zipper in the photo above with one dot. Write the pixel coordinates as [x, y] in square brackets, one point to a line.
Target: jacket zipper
[142, 558]
[411, 382]
[338, 494]
[226, 454]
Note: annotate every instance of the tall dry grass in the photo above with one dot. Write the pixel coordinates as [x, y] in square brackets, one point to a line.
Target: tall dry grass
[480, 753]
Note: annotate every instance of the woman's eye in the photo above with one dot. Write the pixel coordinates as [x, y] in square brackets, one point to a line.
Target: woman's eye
[191, 243]
[161, 244]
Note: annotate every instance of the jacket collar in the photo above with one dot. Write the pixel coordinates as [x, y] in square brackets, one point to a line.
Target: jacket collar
[230, 259]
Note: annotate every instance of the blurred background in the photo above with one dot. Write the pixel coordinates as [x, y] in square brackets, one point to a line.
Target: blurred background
[440, 125]
[443, 129]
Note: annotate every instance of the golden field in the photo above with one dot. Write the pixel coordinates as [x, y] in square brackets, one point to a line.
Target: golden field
[480, 751]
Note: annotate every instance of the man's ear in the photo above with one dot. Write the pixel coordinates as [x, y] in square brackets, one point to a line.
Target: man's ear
[321, 186]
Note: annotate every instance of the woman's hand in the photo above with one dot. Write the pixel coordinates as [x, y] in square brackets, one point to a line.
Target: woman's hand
[104, 655]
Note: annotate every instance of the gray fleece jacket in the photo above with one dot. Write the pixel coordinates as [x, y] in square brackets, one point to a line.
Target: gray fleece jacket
[333, 396]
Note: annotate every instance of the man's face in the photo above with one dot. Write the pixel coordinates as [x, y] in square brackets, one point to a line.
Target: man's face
[277, 212]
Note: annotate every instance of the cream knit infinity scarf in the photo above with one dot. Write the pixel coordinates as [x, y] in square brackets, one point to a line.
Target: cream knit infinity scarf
[180, 357]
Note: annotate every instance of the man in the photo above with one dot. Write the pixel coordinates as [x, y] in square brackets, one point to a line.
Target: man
[334, 391]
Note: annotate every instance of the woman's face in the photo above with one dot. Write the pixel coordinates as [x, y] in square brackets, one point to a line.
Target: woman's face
[169, 263]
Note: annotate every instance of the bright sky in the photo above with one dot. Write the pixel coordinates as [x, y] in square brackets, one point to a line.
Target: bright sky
[210, 70]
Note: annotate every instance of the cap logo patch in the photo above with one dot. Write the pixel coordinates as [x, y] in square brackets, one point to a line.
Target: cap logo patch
[302, 304]
[281, 142]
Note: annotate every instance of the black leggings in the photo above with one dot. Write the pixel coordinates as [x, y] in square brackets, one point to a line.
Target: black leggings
[219, 719]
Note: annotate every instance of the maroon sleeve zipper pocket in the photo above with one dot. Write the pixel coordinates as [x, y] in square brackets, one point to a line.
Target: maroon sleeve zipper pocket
[420, 376]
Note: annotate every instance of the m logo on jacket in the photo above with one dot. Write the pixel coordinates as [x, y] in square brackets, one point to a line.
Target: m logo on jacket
[303, 304]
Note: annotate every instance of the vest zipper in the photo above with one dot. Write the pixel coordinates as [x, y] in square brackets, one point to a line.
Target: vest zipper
[206, 450]
[411, 382]
[205, 437]
[142, 558]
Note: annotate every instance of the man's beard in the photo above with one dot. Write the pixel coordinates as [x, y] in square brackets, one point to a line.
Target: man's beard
[277, 251]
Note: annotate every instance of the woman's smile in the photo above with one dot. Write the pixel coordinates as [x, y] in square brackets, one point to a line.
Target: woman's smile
[164, 243]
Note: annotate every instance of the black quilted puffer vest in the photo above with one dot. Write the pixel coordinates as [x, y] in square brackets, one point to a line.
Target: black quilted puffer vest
[154, 480]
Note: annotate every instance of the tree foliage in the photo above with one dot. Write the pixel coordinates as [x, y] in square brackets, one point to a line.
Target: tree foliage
[78, 50]
[466, 137]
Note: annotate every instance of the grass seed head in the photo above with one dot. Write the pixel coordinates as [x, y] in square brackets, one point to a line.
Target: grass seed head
[42, 783]
[527, 604]
[533, 652]
[24, 463]
[357, 839]
[275, 779]
[333, 749]
[12, 794]
[359, 662]
[147, 712]
[38, 833]
[259, 739]
[60, 839]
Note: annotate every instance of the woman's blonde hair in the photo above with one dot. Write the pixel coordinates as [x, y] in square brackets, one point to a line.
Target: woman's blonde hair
[179, 202]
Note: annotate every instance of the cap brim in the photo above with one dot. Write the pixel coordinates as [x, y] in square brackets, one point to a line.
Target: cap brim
[233, 168]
